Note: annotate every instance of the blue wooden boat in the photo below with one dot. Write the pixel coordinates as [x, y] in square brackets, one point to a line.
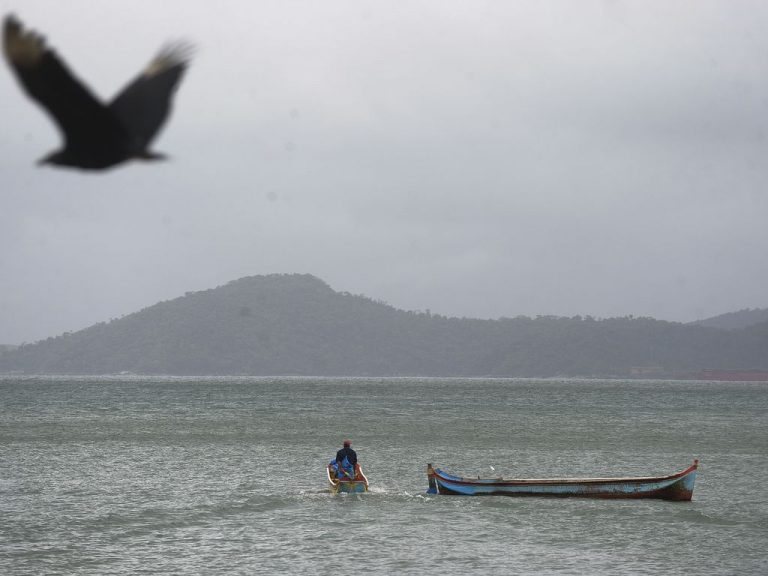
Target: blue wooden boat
[677, 486]
[356, 484]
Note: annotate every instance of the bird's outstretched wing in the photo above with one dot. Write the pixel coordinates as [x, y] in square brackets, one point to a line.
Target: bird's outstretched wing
[82, 119]
[144, 105]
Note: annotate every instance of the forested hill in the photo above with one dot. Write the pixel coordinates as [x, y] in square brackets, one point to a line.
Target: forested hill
[736, 320]
[296, 324]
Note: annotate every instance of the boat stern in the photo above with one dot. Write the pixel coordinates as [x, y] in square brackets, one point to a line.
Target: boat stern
[356, 485]
[432, 481]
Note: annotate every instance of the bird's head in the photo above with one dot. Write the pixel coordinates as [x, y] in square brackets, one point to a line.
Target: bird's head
[56, 158]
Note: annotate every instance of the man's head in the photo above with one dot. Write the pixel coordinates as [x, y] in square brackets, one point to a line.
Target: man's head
[347, 443]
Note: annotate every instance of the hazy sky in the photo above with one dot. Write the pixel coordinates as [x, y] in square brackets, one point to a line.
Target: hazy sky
[475, 158]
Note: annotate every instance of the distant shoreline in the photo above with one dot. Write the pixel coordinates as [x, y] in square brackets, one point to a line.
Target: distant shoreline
[299, 377]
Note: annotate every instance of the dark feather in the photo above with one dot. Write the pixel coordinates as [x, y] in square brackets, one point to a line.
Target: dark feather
[145, 103]
[82, 119]
[95, 136]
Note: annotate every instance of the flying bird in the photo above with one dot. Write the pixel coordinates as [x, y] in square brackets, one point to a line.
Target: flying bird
[96, 135]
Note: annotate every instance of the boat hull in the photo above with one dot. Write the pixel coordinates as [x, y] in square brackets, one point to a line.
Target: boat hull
[677, 486]
[357, 485]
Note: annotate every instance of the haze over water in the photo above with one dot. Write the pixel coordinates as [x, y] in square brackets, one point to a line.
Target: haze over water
[127, 475]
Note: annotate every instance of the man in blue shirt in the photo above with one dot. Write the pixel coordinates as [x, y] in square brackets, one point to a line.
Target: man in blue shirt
[347, 453]
[346, 461]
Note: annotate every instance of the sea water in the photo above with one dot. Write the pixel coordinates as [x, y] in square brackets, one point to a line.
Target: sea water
[132, 475]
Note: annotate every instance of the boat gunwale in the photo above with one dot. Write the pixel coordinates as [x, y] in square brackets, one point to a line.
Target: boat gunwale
[441, 475]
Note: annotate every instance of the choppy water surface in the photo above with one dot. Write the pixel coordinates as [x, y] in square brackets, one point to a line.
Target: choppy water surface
[225, 476]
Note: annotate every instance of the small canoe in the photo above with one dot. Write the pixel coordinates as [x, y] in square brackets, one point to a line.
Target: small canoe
[677, 486]
[357, 484]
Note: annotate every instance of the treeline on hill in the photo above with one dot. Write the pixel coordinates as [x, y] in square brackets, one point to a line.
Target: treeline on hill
[736, 320]
[296, 324]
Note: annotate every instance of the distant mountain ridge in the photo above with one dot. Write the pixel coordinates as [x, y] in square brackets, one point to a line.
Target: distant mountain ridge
[296, 324]
[736, 320]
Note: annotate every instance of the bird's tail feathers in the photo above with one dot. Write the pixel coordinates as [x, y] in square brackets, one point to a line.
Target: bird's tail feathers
[148, 156]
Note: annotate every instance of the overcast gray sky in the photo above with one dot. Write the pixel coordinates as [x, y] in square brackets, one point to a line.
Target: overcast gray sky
[475, 158]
